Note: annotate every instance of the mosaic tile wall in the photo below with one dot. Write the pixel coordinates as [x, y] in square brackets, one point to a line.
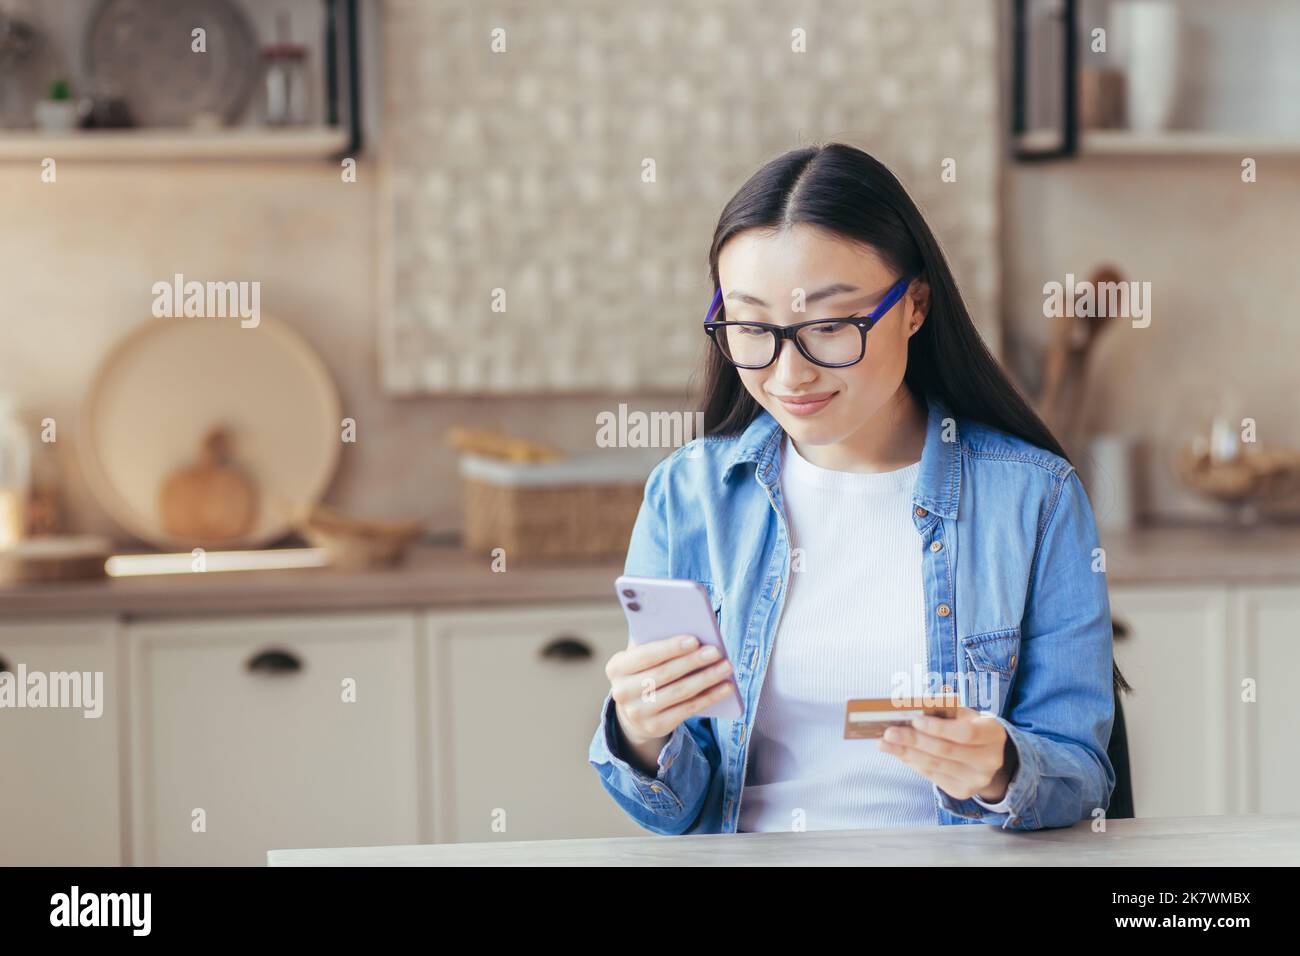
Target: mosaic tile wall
[522, 170]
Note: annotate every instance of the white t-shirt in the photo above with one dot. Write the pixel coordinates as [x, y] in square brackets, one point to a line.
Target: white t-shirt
[854, 617]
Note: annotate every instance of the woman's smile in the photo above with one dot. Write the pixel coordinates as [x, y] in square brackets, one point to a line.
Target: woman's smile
[809, 404]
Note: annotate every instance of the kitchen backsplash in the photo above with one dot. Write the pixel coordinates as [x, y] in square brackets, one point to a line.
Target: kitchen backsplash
[552, 173]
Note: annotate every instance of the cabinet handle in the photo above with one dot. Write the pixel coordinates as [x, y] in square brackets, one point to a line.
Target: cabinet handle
[274, 662]
[1119, 629]
[4, 666]
[566, 647]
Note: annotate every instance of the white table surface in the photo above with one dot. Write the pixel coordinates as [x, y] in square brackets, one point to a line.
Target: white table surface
[1253, 840]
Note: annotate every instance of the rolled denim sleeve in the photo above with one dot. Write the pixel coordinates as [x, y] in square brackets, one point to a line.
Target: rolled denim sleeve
[671, 800]
[1062, 705]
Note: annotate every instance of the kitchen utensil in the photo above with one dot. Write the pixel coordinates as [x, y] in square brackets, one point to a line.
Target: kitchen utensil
[212, 501]
[63, 558]
[144, 48]
[171, 379]
[1065, 376]
[359, 542]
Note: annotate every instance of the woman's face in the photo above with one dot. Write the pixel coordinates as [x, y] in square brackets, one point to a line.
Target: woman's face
[760, 274]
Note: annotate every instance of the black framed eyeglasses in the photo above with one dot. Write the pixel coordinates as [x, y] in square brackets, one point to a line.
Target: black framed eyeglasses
[830, 343]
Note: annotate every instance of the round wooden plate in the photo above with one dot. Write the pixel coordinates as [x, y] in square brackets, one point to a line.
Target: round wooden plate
[170, 381]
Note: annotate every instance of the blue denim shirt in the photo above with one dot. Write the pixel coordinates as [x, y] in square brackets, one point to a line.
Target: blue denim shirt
[1018, 617]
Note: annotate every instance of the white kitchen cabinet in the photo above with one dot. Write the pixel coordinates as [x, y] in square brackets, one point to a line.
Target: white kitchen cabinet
[515, 699]
[474, 725]
[1266, 642]
[240, 723]
[1179, 716]
[60, 788]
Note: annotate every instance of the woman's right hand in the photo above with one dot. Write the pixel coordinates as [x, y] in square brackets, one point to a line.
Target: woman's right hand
[659, 684]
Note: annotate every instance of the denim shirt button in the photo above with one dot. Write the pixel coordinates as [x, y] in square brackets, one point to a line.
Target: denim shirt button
[936, 545]
[944, 610]
[921, 512]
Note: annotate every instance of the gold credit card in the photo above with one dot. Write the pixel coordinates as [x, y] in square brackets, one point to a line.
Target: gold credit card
[870, 717]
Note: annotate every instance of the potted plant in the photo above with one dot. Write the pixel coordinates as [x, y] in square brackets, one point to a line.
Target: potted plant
[57, 113]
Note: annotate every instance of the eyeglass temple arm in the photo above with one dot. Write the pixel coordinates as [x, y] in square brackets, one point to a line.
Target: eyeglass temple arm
[892, 297]
[717, 298]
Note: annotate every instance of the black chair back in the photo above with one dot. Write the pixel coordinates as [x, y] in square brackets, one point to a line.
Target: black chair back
[1121, 799]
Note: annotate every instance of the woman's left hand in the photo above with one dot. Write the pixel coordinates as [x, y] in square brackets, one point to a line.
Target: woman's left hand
[967, 755]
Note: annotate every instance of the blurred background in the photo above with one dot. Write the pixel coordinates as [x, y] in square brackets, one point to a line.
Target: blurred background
[339, 337]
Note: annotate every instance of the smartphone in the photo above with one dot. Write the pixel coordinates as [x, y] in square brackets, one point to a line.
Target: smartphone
[657, 608]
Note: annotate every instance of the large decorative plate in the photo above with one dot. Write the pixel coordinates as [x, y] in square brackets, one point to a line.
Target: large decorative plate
[143, 51]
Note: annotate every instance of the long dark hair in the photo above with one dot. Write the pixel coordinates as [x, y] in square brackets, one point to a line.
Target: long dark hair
[846, 191]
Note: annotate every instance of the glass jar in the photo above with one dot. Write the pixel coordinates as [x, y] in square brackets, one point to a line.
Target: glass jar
[15, 474]
[285, 97]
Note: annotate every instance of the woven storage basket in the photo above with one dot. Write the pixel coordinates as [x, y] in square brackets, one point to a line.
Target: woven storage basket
[573, 508]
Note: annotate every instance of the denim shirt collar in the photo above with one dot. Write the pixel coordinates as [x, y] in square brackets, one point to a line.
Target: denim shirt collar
[937, 489]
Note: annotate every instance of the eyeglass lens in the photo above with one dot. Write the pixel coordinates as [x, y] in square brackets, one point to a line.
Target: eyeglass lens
[834, 343]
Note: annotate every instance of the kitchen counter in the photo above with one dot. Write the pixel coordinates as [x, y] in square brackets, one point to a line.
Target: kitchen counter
[434, 575]
[1160, 841]
[444, 575]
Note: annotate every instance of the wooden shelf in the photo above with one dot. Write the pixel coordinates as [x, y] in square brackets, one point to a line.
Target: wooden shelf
[156, 145]
[1184, 143]
[1190, 143]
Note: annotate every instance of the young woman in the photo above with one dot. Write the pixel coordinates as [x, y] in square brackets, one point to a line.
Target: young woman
[876, 513]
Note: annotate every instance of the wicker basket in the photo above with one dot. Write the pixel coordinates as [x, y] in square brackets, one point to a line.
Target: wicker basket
[576, 508]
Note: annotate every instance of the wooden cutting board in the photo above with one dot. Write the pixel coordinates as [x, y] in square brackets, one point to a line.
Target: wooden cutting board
[170, 382]
[54, 558]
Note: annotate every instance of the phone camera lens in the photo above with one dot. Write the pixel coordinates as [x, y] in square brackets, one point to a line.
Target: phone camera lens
[633, 606]
[628, 592]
